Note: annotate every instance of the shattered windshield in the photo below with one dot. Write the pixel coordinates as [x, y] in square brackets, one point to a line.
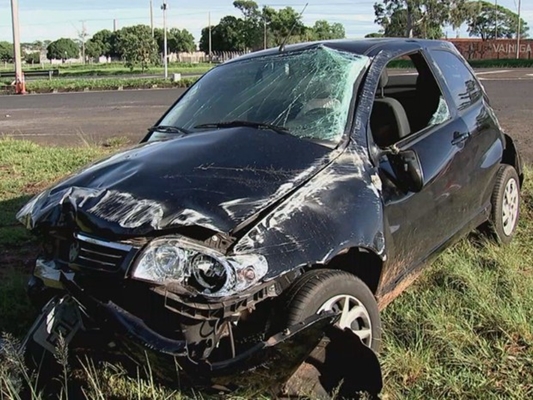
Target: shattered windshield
[308, 94]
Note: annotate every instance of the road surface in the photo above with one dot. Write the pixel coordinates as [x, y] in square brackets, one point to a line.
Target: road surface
[74, 118]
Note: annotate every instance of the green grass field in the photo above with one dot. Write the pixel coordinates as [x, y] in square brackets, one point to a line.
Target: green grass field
[81, 84]
[464, 330]
[108, 68]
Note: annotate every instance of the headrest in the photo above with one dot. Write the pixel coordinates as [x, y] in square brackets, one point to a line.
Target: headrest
[383, 79]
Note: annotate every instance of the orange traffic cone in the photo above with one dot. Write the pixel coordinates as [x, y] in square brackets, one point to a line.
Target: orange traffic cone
[20, 85]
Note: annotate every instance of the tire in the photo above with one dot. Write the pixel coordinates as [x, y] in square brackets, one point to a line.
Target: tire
[324, 289]
[505, 201]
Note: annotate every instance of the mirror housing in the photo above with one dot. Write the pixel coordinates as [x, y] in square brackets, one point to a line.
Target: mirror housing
[408, 170]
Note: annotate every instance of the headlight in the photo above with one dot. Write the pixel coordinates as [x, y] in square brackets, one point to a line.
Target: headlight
[210, 273]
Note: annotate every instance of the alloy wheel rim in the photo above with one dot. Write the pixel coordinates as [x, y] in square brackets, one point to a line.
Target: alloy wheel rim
[510, 206]
[354, 316]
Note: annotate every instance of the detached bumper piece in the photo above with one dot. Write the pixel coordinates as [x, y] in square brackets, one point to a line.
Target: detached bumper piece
[265, 367]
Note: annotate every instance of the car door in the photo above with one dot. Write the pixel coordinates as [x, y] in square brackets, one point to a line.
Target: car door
[420, 223]
[484, 145]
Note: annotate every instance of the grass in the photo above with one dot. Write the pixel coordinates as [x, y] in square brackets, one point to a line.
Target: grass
[464, 330]
[79, 85]
[114, 66]
[126, 71]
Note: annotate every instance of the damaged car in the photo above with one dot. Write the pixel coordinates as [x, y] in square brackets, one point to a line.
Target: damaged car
[284, 200]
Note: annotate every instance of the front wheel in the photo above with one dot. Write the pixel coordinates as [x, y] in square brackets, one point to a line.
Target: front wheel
[339, 291]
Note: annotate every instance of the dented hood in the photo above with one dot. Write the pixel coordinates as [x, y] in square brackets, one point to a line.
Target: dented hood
[214, 179]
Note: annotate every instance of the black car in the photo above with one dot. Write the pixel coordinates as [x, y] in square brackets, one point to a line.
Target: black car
[286, 192]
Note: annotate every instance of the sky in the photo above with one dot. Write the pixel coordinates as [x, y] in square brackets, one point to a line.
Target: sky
[53, 19]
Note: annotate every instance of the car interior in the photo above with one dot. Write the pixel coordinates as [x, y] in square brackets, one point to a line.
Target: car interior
[405, 102]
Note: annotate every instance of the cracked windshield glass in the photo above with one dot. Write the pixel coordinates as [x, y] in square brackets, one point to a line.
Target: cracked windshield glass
[307, 94]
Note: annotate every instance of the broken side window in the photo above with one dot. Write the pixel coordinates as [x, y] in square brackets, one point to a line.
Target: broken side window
[308, 93]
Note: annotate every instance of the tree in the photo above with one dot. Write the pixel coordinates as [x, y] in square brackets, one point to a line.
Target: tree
[323, 30]
[495, 22]
[41, 45]
[136, 46]
[6, 52]
[103, 43]
[93, 49]
[181, 41]
[252, 23]
[397, 26]
[33, 58]
[418, 18]
[177, 40]
[281, 22]
[374, 35]
[276, 26]
[63, 49]
[226, 36]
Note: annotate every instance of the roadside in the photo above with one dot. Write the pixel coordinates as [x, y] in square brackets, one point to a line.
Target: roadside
[61, 85]
[115, 76]
[72, 119]
[468, 309]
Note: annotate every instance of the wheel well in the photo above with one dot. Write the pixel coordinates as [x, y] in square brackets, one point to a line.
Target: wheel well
[511, 157]
[364, 264]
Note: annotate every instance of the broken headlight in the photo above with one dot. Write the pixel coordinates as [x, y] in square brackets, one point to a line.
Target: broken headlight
[171, 260]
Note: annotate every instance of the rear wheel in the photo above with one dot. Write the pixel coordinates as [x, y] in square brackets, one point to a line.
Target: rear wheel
[505, 201]
[339, 291]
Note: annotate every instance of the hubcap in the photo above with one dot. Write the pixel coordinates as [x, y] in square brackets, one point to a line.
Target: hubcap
[354, 315]
[510, 207]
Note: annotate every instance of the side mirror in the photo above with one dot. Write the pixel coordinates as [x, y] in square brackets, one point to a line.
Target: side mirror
[408, 170]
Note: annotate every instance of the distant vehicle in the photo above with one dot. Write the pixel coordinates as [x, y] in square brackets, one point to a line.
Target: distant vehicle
[284, 193]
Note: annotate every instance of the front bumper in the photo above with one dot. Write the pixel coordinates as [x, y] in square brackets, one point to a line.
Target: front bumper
[265, 366]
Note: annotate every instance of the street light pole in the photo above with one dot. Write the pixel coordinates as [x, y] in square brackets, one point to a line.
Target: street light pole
[152, 16]
[165, 51]
[518, 31]
[210, 40]
[496, 19]
[20, 86]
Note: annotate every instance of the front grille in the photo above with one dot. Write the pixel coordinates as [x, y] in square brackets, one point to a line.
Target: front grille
[93, 254]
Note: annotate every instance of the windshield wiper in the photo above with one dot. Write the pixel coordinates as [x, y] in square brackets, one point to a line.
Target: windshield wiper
[250, 124]
[168, 129]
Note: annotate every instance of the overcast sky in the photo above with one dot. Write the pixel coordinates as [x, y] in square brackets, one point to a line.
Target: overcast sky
[52, 19]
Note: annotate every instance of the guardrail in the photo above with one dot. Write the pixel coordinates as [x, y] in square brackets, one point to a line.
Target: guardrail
[49, 73]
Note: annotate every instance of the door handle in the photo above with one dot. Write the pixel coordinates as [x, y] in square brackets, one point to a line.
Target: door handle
[460, 137]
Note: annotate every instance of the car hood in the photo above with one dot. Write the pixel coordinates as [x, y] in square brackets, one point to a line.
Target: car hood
[215, 180]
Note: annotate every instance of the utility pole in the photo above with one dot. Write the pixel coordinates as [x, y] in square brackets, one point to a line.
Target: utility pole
[20, 86]
[496, 19]
[165, 50]
[83, 35]
[518, 32]
[152, 16]
[115, 25]
[264, 33]
[210, 40]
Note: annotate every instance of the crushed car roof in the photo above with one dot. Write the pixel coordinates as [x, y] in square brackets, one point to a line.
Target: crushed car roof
[369, 46]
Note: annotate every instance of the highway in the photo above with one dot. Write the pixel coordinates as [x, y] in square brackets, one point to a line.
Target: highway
[77, 118]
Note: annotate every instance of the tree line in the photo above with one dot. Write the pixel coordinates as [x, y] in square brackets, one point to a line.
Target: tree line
[426, 19]
[258, 27]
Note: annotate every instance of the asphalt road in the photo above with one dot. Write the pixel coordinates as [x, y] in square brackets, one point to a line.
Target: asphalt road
[75, 118]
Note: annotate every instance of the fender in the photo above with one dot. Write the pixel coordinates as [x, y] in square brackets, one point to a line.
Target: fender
[310, 227]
